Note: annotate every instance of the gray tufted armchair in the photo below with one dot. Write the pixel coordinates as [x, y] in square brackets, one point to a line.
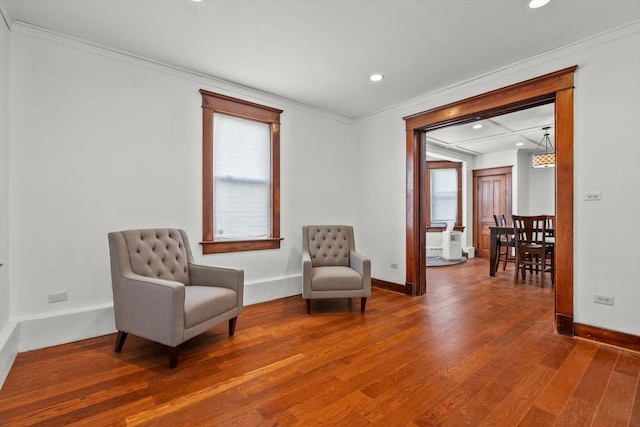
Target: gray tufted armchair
[331, 267]
[160, 295]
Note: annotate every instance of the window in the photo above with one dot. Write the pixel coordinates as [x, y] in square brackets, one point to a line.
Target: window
[240, 175]
[444, 198]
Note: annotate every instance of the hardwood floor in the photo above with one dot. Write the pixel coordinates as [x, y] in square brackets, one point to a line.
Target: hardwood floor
[474, 350]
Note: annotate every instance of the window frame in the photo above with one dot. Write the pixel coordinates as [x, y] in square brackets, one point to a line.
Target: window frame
[443, 164]
[216, 103]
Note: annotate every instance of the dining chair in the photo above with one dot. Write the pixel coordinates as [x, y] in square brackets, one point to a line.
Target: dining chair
[506, 244]
[551, 235]
[532, 249]
[551, 225]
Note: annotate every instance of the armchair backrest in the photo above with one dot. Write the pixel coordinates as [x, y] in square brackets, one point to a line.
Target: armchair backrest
[328, 245]
[160, 253]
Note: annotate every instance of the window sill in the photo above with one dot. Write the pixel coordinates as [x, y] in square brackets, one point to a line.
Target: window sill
[240, 245]
[431, 229]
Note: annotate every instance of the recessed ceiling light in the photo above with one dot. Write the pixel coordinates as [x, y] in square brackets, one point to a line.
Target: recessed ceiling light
[376, 77]
[520, 144]
[534, 4]
[196, 1]
[477, 126]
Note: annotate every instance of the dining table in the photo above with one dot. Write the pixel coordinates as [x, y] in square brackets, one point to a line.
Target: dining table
[495, 233]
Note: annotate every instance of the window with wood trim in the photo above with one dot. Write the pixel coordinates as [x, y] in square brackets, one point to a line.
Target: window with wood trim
[444, 193]
[240, 175]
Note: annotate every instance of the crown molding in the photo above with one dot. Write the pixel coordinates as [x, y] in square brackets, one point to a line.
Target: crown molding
[5, 13]
[210, 82]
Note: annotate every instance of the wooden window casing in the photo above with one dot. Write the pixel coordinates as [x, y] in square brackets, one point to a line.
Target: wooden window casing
[443, 164]
[216, 103]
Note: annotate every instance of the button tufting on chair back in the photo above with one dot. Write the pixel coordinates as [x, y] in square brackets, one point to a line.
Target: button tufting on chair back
[158, 253]
[329, 245]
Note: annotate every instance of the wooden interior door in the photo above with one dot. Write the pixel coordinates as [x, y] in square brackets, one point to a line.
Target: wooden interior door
[492, 196]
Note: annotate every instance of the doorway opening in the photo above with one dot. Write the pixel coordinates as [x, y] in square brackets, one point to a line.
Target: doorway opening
[551, 88]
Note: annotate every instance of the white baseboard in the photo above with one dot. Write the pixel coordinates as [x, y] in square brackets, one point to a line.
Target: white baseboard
[63, 327]
[270, 290]
[434, 251]
[9, 343]
[47, 330]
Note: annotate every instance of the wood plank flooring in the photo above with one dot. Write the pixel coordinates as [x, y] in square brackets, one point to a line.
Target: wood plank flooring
[475, 350]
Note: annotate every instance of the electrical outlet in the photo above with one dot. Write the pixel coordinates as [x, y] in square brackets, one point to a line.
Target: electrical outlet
[57, 297]
[394, 265]
[603, 299]
[592, 196]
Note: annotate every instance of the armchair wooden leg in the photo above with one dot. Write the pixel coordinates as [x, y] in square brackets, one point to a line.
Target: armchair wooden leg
[308, 306]
[363, 303]
[232, 326]
[173, 356]
[120, 341]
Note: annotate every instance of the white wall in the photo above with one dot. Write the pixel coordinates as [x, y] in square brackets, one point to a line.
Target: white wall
[541, 190]
[607, 103]
[8, 329]
[535, 188]
[521, 184]
[607, 149]
[4, 172]
[104, 142]
[380, 197]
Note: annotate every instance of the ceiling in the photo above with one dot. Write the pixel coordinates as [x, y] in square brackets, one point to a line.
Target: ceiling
[321, 52]
[522, 130]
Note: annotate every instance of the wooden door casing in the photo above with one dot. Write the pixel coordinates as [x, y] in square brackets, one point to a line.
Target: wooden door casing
[556, 87]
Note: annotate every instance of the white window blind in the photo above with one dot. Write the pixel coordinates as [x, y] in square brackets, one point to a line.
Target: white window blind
[444, 195]
[242, 178]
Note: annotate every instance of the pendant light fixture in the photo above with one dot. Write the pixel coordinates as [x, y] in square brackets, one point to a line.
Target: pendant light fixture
[544, 156]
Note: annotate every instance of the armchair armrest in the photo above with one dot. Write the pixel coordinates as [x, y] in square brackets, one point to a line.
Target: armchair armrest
[206, 275]
[362, 265]
[230, 278]
[306, 274]
[136, 301]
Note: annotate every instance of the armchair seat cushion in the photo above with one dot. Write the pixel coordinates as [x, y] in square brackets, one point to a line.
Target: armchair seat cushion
[202, 303]
[335, 278]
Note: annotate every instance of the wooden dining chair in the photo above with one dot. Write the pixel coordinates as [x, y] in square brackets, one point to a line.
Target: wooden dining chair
[551, 232]
[505, 244]
[532, 249]
[550, 225]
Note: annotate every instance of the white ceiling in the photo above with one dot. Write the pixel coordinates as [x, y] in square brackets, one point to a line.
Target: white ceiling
[498, 133]
[321, 52]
